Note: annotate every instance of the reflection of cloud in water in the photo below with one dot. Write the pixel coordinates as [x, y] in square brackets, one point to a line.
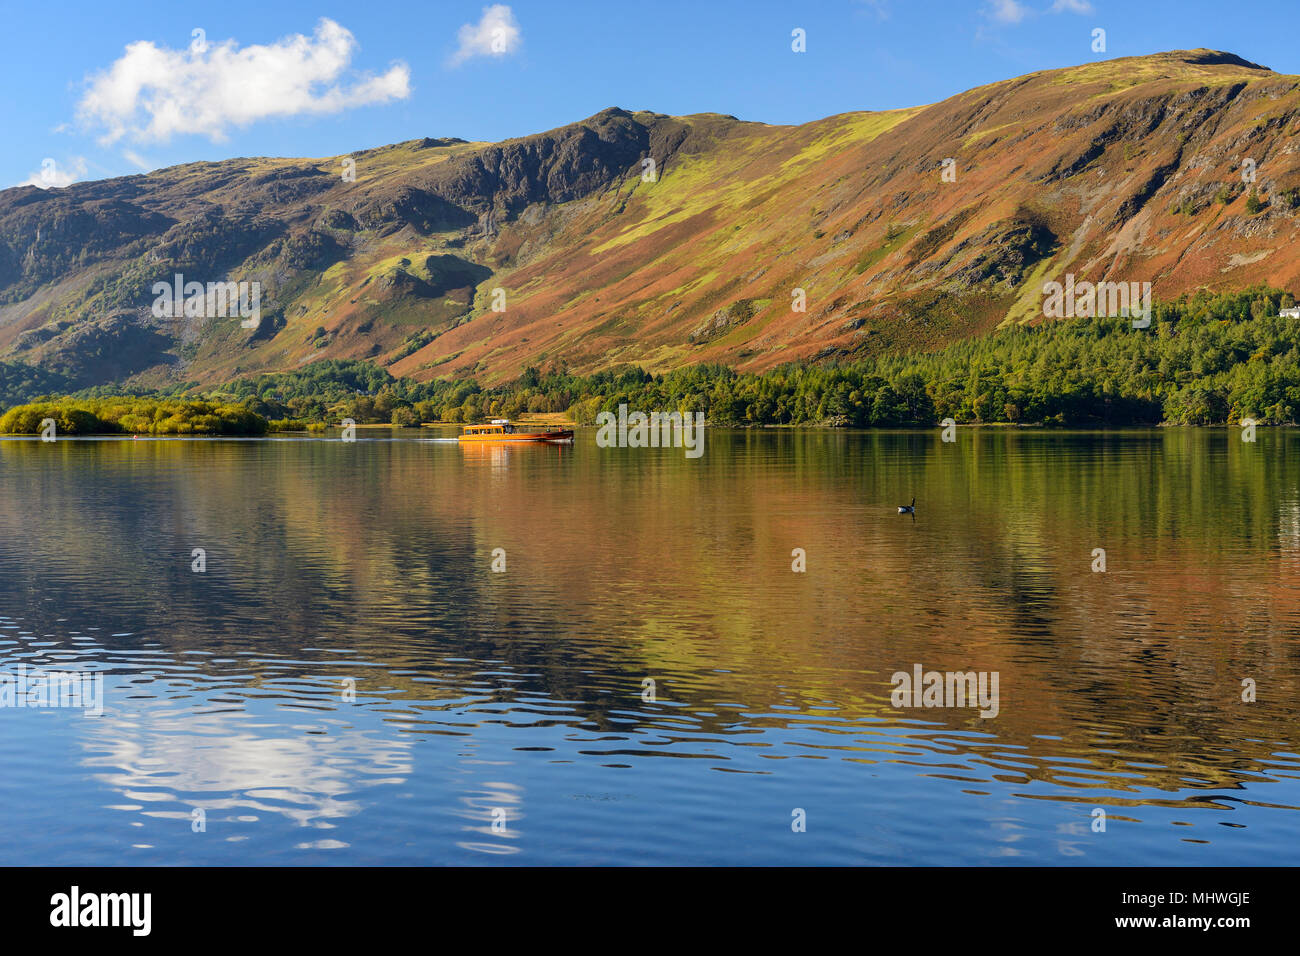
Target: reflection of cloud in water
[479, 807]
[204, 762]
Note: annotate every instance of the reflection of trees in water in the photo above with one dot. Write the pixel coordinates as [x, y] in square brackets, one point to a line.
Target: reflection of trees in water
[371, 560]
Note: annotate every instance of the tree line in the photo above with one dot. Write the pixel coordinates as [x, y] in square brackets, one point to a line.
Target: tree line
[132, 415]
[1205, 359]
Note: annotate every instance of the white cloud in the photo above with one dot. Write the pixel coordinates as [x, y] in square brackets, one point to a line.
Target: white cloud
[153, 93]
[135, 159]
[1008, 11]
[1013, 11]
[50, 175]
[496, 34]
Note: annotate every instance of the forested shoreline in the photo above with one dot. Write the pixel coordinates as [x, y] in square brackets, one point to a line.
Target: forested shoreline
[1204, 360]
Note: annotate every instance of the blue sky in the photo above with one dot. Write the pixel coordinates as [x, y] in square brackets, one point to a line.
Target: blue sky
[295, 78]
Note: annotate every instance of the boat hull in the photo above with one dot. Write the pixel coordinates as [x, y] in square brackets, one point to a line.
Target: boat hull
[559, 435]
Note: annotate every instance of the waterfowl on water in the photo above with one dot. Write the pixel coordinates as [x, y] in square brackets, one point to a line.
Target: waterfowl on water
[908, 509]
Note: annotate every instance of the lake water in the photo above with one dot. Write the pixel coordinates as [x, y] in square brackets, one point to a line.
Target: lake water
[506, 718]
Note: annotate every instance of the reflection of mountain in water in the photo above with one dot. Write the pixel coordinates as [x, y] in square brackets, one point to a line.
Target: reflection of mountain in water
[371, 561]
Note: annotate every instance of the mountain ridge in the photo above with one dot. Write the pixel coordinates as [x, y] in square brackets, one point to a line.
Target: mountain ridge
[1127, 170]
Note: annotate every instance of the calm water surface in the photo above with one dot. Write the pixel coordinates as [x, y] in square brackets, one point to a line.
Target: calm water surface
[518, 696]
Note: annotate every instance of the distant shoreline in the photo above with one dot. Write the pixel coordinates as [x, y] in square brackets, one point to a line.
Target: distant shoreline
[319, 428]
